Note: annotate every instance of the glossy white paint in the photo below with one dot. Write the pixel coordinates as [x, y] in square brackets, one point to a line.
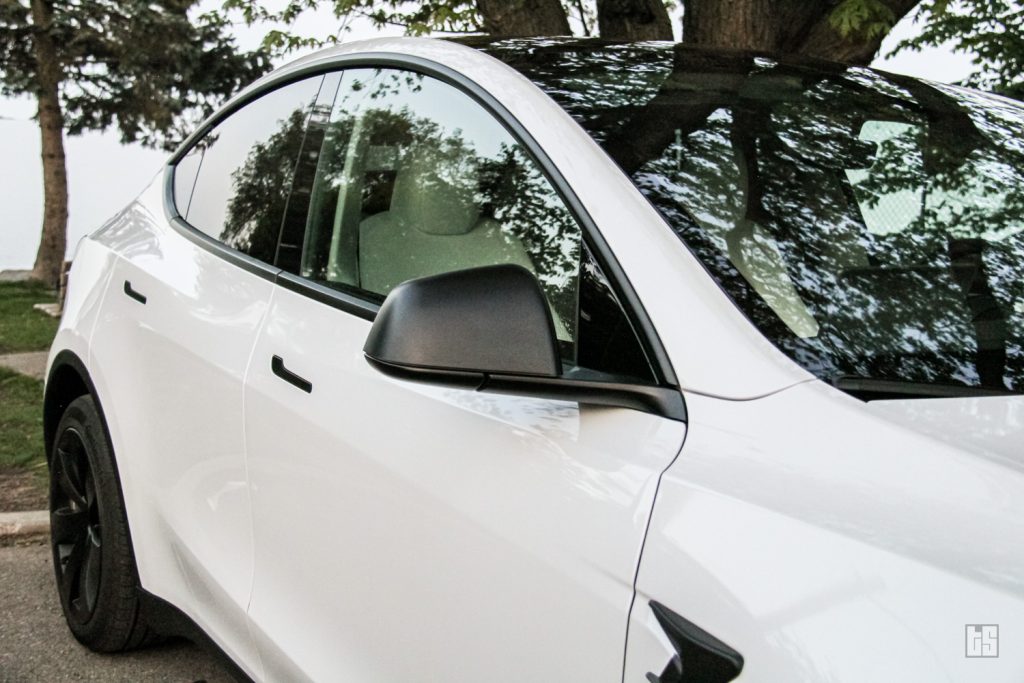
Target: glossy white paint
[170, 375]
[409, 532]
[90, 271]
[989, 427]
[382, 530]
[826, 543]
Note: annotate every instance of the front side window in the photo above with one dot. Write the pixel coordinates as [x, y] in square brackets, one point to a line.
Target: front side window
[245, 169]
[871, 226]
[406, 176]
[414, 178]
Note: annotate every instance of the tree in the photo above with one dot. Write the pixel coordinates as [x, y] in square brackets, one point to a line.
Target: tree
[990, 30]
[144, 66]
[848, 31]
[634, 20]
[844, 30]
[523, 17]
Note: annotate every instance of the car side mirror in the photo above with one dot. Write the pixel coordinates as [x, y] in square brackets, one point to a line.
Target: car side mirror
[490, 329]
[491, 320]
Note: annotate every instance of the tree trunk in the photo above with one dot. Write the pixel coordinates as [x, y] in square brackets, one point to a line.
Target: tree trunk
[781, 26]
[52, 245]
[520, 18]
[633, 20]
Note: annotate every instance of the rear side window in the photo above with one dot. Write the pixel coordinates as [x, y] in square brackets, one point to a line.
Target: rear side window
[246, 166]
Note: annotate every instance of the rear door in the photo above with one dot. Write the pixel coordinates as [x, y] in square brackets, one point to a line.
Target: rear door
[411, 532]
[174, 341]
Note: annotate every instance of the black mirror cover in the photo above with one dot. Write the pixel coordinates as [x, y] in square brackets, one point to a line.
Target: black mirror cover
[482, 321]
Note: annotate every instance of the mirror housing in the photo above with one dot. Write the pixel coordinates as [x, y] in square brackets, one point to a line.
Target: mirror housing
[490, 329]
[480, 321]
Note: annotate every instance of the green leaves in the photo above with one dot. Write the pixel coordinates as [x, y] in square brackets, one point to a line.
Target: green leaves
[150, 68]
[866, 18]
[991, 31]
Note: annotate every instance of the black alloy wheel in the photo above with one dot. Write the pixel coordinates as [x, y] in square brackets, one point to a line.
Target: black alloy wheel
[93, 559]
[75, 528]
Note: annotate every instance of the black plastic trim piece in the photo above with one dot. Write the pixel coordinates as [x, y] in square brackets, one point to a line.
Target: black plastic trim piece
[52, 412]
[451, 378]
[872, 388]
[243, 261]
[701, 657]
[134, 294]
[656, 400]
[331, 297]
[664, 401]
[602, 252]
[278, 368]
[168, 620]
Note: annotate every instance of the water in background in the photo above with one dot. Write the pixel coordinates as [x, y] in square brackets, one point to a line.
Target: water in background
[103, 176]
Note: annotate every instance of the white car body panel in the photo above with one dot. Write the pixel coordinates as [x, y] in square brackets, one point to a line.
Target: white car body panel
[508, 523]
[175, 410]
[90, 272]
[479, 536]
[987, 427]
[875, 550]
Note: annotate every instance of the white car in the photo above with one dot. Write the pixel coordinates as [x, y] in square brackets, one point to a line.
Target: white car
[557, 360]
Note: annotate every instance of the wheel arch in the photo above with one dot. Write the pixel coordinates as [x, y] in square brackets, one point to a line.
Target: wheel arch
[67, 380]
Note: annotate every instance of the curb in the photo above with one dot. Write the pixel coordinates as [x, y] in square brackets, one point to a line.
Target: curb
[18, 527]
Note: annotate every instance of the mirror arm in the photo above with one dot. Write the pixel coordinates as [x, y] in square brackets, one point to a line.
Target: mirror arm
[663, 401]
[450, 378]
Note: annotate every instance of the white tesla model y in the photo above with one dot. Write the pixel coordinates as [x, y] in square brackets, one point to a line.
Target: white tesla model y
[557, 360]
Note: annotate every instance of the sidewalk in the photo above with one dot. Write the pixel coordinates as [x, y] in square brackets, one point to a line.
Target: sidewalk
[32, 364]
[22, 527]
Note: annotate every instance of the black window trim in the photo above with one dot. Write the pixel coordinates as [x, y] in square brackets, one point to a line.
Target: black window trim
[664, 373]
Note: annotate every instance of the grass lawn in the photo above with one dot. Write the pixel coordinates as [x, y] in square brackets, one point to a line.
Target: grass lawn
[21, 420]
[21, 327]
[22, 461]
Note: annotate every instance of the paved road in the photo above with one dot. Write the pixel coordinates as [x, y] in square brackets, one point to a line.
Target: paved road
[35, 644]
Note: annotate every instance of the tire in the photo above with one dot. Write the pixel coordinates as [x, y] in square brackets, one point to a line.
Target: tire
[92, 554]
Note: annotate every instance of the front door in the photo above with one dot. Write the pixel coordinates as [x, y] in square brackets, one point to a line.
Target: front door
[411, 532]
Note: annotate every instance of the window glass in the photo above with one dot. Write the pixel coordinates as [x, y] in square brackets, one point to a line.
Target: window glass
[870, 225]
[185, 179]
[607, 341]
[246, 172]
[289, 247]
[415, 179]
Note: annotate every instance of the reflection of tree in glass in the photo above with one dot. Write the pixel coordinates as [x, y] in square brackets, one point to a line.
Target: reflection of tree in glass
[519, 197]
[261, 186]
[383, 83]
[894, 256]
[506, 187]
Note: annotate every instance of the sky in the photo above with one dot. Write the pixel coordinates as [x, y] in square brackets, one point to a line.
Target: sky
[105, 175]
